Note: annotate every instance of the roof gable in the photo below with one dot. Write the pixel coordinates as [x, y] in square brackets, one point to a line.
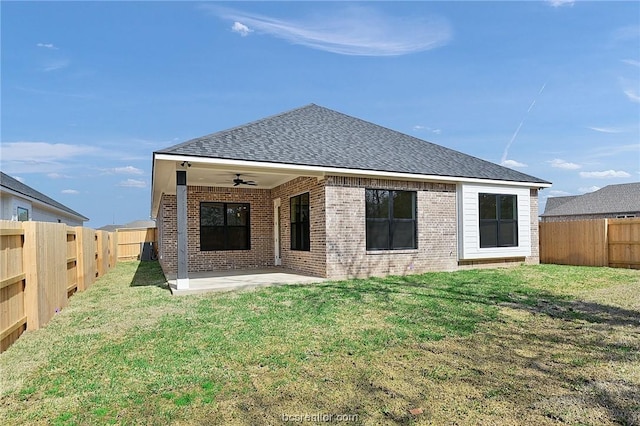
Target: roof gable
[15, 185]
[316, 136]
[622, 198]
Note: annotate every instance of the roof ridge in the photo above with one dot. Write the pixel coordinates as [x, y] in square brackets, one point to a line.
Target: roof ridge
[239, 126]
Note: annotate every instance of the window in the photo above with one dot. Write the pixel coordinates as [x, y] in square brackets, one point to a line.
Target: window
[224, 226]
[391, 219]
[23, 214]
[300, 222]
[498, 220]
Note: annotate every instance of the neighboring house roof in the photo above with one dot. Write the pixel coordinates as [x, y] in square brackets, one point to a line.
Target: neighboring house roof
[140, 224]
[316, 136]
[136, 224]
[553, 202]
[16, 186]
[622, 198]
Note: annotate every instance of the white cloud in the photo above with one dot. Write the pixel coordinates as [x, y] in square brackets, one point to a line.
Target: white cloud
[609, 151]
[562, 164]
[55, 175]
[513, 164]
[47, 46]
[349, 30]
[55, 65]
[70, 191]
[630, 89]
[632, 62]
[419, 128]
[560, 3]
[557, 193]
[19, 179]
[133, 183]
[43, 157]
[606, 129]
[42, 151]
[241, 29]
[633, 95]
[128, 170]
[588, 189]
[605, 174]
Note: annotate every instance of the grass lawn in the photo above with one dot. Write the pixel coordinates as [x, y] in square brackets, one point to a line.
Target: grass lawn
[528, 345]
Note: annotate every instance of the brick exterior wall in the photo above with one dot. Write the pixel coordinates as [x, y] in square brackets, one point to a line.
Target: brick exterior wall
[347, 255]
[261, 229]
[261, 253]
[312, 261]
[167, 224]
[337, 230]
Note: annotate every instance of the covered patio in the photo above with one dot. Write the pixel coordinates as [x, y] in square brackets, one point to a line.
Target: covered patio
[238, 279]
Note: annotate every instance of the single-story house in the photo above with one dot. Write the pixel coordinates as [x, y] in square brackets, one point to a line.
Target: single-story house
[612, 201]
[323, 193]
[20, 202]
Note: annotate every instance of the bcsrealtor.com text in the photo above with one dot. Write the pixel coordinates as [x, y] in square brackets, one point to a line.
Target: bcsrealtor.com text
[319, 417]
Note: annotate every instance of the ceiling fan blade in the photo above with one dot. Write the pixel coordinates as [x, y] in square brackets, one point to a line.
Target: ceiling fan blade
[250, 183]
[236, 184]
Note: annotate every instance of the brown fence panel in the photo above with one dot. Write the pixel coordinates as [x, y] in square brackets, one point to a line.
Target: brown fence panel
[45, 258]
[13, 319]
[574, 243]
[624, 243]
[130, 242]
[600, 242]
[41, 265]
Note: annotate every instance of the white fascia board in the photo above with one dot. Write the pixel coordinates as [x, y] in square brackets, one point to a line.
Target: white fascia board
[319, 170]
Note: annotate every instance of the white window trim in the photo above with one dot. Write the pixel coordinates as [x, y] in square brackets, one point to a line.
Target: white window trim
[469, 222]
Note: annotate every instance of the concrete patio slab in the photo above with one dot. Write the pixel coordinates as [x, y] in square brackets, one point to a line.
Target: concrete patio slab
[241, 279]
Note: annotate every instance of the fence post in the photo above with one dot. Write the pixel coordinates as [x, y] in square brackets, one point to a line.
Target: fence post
[605, 257]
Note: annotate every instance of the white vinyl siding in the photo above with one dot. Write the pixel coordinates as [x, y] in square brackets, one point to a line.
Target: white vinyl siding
[469, 222]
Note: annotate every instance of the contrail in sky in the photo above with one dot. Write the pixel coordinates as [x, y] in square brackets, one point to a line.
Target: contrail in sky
[515, 134]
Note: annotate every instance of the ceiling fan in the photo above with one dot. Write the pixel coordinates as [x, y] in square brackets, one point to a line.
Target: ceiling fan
[237, 181]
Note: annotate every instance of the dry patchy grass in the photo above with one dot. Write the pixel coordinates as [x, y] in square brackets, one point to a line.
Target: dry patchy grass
[530, 345]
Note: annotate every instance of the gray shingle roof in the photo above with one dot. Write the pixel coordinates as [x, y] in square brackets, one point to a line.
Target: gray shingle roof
[612, 199]
[316, 136]
[553, 202]
[15, 185]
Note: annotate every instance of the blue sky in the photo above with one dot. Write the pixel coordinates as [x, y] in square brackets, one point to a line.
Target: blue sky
[91, 89]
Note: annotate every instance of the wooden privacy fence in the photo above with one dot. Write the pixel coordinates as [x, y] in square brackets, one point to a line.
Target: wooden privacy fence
[131, 242]
[602, 242]
[41, 265]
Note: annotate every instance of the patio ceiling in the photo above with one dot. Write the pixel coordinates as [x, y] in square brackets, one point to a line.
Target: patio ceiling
[207, 172]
